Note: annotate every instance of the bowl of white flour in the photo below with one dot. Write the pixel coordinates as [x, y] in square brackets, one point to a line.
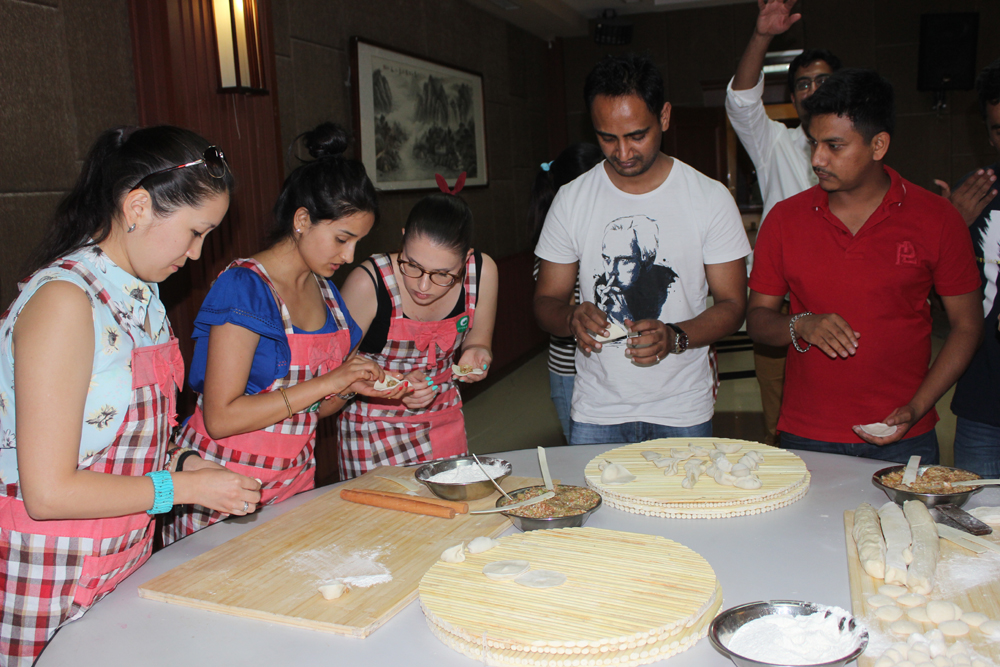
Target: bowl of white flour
[461, 479]
[788, 633]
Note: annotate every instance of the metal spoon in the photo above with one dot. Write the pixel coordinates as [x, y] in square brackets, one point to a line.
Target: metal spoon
[476, 458]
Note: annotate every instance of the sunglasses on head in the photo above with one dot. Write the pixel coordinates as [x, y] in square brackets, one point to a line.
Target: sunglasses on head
[213, 159]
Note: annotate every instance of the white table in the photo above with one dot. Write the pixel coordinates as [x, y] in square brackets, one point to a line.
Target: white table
[797, 552]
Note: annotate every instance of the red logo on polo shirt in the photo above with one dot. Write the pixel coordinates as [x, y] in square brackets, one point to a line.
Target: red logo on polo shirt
[905, 253]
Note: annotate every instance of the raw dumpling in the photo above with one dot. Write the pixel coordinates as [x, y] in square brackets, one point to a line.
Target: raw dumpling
[740, 470]
[724, 478]
[333, 591]
[455, 554]
[697, 450]
[681, 454]
[466, 369]
[748, 461]
[615, 331]
[651, 456]
[388, 383]
[692, 471]
[879, 430]
[616, 473]
[752, 482]
[728, 447]
[669, 466]
[506, 569]
[480, 544]
[541, 579]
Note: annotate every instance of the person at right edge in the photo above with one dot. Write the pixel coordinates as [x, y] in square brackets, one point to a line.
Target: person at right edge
[779, 153]
[977, 395]
[858, 255]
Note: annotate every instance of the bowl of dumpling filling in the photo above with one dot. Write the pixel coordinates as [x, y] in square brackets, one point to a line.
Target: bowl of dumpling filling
[569, 508]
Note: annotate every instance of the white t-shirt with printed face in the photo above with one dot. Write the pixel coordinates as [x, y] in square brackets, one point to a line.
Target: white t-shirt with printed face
[643, 257]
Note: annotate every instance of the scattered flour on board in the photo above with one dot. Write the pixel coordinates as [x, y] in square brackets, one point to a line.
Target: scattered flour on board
[358, 568]
[958, 572]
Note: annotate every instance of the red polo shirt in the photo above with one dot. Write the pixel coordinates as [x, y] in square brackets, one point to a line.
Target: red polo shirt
[877, 280]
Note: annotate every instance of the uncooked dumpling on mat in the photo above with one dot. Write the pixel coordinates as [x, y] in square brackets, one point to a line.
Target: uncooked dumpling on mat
[651, 456]
[482, 543]
[506, 569]
[455, 554]
[728, 447]
[616, 473]
[541, 579]
[333, 591]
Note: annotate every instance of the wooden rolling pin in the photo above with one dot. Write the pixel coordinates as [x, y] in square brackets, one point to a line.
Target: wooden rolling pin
[445, 509]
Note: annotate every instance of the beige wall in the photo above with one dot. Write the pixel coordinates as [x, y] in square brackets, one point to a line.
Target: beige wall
[313, 57]
[704, 45]
[65, 75]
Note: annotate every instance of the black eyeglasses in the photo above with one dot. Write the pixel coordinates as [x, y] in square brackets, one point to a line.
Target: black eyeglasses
[439, 278]
[804, 83]
[213, 159]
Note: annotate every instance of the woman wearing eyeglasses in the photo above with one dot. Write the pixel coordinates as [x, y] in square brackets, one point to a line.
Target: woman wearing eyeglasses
[273, 340]
[88, 374]
[423, 309]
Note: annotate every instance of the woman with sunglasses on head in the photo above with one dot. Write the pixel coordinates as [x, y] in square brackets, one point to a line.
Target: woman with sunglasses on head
[423, 309]
[273, 340]
[88, 374]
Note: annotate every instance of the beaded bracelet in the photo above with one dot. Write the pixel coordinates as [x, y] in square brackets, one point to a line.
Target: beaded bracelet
[163, 492]
[791, 330]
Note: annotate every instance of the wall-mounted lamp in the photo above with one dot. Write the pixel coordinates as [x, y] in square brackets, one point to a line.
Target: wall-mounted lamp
[237, 35]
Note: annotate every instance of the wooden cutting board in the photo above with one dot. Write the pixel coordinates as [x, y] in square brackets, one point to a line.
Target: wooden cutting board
[984, 598]
[272, 572]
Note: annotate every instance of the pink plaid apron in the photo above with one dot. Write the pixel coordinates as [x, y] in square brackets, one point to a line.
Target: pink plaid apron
[51, 572]
[281, 455]
[376, 432]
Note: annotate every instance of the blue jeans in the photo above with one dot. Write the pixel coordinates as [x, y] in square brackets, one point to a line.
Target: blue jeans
[561, 391]
[977, 447]
[925, 445]
[589, 434]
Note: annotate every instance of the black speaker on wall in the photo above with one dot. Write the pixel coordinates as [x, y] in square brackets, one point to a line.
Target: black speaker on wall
[947, 58]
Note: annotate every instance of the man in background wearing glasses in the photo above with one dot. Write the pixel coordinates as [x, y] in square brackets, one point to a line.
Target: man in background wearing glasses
[780, 154]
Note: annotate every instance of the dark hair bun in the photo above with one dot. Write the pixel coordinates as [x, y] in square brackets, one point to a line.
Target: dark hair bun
[326, 140]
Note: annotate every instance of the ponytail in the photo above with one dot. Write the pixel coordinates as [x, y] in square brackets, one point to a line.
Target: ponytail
[574, 161]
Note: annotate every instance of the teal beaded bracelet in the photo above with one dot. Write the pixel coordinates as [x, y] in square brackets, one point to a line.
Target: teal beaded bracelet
[163, 492]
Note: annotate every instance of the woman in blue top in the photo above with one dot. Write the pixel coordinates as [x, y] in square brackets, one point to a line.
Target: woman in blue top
[273, 351]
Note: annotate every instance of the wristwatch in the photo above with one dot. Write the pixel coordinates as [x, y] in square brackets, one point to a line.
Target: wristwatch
[680, 339]
[346, 397]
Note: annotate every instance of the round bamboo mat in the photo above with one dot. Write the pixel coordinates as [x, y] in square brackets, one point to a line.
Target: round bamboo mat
[629, 599]
[784, 476]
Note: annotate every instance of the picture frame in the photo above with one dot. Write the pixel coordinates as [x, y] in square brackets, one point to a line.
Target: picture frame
[415, 117]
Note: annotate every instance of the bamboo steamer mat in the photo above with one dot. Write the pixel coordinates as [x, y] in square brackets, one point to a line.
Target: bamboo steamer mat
[784, 475]
[984, 598]
[273, 571]
[629, 599]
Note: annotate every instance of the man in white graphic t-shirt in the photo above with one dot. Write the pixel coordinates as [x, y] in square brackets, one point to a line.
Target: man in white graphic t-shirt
[649, 238]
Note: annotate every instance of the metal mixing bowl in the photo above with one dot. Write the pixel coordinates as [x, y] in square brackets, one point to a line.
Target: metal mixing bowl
[728, 622]
[527, 523]
[957, 498]
[467, 491]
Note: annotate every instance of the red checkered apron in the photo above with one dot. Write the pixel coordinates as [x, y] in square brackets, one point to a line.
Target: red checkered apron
[376, 432]
[51, 572]
[281, 455]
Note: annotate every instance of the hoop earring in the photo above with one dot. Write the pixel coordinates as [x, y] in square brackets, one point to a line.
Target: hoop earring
[131, 229]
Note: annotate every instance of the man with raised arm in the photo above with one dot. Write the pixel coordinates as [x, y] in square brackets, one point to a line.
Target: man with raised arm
[859, 254]
[779, 153]
[648, 236]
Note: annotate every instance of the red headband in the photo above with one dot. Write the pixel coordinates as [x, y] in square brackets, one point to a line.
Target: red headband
[443, 184]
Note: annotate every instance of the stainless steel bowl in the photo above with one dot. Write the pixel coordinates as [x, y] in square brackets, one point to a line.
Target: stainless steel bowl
[898, 496]
[728, 622]
[527, 523]
[467, 491]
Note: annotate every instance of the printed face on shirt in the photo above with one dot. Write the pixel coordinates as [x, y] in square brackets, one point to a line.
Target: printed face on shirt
[841, 157]
[813, 74]
[327, 245]
[633, 286]
[628, 133]
[429, 256]
[160, 248]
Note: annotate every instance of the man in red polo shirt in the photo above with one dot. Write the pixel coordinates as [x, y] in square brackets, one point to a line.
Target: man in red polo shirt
[859, 254]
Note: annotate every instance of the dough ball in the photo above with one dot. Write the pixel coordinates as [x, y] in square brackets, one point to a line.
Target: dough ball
[918, 615]
[990, 628]
[940, 611]
[480, 544]
[889, 613]
[892, 590]
[506, 569]
[954, 628]
[541, 579]
[877, 601]
[904, 628]
[333, 591]
[455, 554]
[911, 600]
[974, 618]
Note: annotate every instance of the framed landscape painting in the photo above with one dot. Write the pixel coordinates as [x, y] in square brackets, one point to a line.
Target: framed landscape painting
[415, 118]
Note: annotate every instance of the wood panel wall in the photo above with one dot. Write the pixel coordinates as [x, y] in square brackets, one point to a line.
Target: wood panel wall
[177, 81]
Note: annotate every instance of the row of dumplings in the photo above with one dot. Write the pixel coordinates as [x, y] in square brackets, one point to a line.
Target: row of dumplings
[716, 464]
